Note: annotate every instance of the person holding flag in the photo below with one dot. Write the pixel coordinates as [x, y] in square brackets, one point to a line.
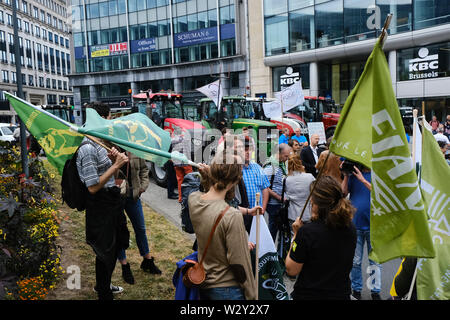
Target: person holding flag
[60, 140]
[357, 184]
[106, 230]
[322, 251]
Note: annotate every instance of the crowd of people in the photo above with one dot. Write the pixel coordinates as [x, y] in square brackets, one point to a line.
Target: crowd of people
[316, 232]
[328, 218]
[441, 132]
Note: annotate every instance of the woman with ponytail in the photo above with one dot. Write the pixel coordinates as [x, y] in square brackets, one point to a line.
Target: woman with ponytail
[322, 251]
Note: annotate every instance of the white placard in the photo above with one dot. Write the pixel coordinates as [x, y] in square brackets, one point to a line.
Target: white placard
[317, 128]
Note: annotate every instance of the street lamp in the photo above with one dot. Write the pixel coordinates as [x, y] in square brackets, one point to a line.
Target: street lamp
[23, 137]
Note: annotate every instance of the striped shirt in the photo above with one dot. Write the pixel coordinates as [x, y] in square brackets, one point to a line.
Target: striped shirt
[277, 185]
[255, 181]
[93, 162]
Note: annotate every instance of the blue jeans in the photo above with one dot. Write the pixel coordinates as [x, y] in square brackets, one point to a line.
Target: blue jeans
[136, 215]
[223, 293]
[272, 210]
[374, 280]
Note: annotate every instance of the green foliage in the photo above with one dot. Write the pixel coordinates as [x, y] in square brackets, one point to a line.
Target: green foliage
[28, 227]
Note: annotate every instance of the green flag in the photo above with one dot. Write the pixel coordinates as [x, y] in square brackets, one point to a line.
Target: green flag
[270, 269]
[135, 133]
[55, 137]
[60, 139]
[370, 131]
[433, 274]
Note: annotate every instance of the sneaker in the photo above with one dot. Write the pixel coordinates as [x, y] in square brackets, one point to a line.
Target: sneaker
[148, 265]
[356, 295]
[127, 275]
[114, 289]
[375, 296]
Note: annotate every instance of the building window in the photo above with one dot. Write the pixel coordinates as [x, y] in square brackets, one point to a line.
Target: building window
[329, 23]
[5, 76]
[301, 29]
[163, 28]
[428, 13]
[402, 20]
[192, 22]
[275, 7]
[228, 48]
[92, 11]
[276, 35]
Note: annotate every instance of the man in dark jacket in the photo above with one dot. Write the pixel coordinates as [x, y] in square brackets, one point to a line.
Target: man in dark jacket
[310, 155]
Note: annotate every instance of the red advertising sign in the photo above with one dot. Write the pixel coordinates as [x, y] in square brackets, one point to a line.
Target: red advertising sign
[118, 48]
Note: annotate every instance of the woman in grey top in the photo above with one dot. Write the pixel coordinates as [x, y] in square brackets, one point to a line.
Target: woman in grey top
[297, 189]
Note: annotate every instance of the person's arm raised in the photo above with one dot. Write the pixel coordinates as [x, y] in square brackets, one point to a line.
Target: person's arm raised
[120, 160]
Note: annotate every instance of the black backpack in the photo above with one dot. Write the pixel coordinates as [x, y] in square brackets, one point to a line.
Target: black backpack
[74, 191]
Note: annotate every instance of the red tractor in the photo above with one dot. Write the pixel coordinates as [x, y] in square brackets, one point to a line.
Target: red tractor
[167, 111]
[317, 109]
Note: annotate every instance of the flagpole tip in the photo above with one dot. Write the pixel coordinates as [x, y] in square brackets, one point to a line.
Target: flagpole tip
[387, 22]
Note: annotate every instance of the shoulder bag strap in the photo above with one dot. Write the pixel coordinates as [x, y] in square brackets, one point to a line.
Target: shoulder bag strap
[212, 233]
[282, 192]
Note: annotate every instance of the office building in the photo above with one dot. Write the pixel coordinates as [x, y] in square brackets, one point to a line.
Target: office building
[325, 44]
[137, 45]
[45, 47]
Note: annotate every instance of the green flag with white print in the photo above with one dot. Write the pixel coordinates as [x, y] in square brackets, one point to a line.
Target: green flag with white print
[433, 274]
[370, 131]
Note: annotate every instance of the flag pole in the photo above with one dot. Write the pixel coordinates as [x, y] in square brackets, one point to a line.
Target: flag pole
[384, 34]
[423, 109]
[314, 185]
[218, 94]
[413, 153]
[257, 247]
[23, 136]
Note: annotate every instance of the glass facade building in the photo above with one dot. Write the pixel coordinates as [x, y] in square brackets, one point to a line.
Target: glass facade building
[158, 35]
[318, 24]
[328, 42]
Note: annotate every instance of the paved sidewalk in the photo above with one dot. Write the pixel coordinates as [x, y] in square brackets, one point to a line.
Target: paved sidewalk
[156, 198]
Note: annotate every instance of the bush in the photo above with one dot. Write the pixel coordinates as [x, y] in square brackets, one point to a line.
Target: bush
[29, 258]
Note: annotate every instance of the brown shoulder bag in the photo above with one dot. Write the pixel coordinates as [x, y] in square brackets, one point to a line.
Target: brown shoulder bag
[193, 272]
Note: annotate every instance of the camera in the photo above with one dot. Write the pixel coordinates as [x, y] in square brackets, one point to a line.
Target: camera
[347, 167]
